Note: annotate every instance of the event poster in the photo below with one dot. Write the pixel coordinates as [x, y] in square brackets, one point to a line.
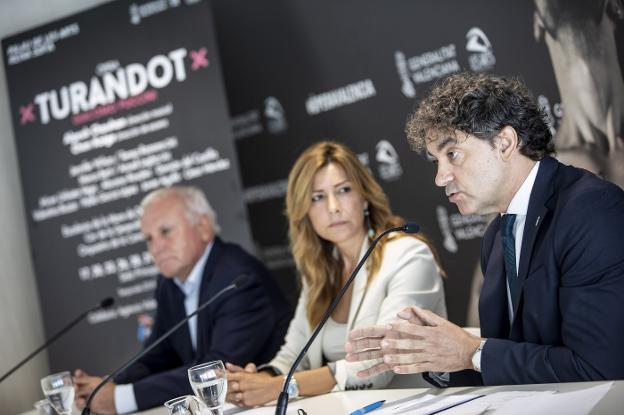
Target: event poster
[109, 104]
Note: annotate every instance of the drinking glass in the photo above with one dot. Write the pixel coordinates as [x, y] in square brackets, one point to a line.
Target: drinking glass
[44, 407]
[185, 405]
[59, 390]
[209, 385]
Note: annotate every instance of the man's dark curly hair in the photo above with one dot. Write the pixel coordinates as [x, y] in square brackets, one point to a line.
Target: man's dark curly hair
[481, 105]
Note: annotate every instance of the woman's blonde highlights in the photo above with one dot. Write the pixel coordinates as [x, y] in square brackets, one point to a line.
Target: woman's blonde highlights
[314, 257]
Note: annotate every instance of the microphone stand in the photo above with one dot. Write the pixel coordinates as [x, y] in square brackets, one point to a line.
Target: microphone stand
[238, 282]
[282, 400]
[104, 304]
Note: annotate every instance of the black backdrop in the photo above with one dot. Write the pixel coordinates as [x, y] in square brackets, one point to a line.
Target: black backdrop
[296, 51]
[294, 72]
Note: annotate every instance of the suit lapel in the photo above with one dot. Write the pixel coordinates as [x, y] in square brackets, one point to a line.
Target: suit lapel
[205, 293]
[182, 337]
[537, 212]
[493, 296]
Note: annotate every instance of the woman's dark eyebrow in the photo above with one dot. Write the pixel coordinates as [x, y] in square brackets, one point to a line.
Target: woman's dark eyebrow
[336, 185]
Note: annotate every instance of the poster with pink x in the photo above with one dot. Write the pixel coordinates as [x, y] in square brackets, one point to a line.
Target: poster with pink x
[108, 105]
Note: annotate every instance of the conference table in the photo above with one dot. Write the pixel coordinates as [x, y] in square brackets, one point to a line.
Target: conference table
[341, 403]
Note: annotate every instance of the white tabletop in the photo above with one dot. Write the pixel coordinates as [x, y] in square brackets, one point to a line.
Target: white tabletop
[341, 403]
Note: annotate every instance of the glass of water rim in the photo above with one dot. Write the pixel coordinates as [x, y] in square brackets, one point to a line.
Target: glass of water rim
[44, 407]
[209, 384]
[185, 405]
[59, 390]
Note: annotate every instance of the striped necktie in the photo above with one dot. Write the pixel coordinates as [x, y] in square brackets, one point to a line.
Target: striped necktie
[509, 255]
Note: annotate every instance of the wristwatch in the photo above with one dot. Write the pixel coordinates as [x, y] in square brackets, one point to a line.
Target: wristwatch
[476, 356]
[293, 388]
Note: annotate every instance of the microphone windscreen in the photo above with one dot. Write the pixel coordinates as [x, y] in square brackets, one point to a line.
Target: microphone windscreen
[411, 228]
[241, 280]
[107, 302]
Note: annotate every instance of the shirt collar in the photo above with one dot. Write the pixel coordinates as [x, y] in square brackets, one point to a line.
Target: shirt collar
[520, 203]
[194, 278]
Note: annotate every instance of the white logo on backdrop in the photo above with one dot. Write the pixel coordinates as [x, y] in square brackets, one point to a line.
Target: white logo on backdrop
[135, 16]
[406, 85]
[246, 124]
[346, 95]
[480, 53]
[544, 105]
[457, 227]
[274, 114]
[449, 243]
[426, 67]
[389, 167]
[277, 257]
[364, 159]
[141, 11]
[40, 44]
[249, 123]
[265, 191]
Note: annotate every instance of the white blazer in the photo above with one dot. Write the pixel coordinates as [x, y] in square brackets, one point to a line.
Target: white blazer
[408, 276]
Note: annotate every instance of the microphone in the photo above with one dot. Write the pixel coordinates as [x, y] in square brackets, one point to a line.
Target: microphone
[238, 282]
[282, 401]
[105, 303]
[410, 228]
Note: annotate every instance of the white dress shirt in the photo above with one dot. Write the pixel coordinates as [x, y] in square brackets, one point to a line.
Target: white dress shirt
[125, 401]
[519, 206]
[333, 340]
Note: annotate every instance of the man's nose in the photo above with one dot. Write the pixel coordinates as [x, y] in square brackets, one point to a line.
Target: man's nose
[155, 246]
[444, 175]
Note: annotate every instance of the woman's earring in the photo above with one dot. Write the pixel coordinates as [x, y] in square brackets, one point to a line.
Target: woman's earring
[371, 231]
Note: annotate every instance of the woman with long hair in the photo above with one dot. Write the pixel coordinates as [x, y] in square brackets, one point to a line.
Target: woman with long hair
[335, 208]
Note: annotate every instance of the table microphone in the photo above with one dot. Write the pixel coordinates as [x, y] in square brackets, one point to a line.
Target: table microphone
[238, 282]
[282, 401]
[105, 303]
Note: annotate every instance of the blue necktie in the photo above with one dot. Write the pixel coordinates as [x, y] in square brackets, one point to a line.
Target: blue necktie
[509, 254]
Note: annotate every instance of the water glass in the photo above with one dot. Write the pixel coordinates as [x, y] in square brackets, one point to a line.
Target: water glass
[209, 385]
[44, 407]
[185, 405]
[59, 390]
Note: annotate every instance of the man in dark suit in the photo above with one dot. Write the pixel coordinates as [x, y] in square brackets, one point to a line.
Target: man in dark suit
[246, 324]
[552, 303]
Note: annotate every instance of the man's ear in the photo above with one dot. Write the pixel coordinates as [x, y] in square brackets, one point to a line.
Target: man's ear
[206, 229]
[507, 142]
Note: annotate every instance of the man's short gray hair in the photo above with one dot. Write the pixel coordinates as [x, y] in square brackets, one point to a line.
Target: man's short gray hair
[193, 199]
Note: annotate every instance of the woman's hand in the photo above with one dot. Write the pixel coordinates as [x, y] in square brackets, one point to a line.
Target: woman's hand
[248, 387]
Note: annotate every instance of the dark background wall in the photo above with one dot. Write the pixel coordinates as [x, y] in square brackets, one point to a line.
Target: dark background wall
[352, 71]
[295, 72]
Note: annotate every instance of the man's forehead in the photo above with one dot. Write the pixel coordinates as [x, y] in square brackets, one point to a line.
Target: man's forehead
[165, 204]
[163, 209]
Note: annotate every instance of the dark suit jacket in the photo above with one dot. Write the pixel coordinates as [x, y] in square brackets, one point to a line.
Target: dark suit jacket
[569, 323]
[244, 325]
